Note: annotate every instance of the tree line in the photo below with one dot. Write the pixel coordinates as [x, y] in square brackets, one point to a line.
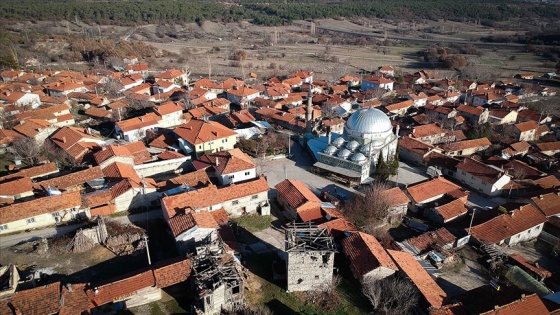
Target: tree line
[273, 12]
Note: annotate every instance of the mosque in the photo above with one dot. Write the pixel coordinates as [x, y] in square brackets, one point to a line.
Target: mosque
[367, 137]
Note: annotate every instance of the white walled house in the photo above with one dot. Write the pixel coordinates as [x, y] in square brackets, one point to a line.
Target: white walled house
[512, 227]
[229, 167]
[20, 99]
[242, 95]
[131, 195]
[134, 129]
[246, 198]
[486, 179]
[377, 82]
[192, 228]
[170, 115]
[41, 212]
[204, 136]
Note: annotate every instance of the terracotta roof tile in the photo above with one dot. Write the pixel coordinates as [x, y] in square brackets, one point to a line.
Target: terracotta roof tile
[427, 130]
[33, 172]
[526, 126]
[365, 253]
[467, 144]
[530, 266]
[531, 304]
[28, 209]
[118, 289]
[425, 284]
[415, 145]
[477, 111]
[31, 127]
[395, 196]
[43, 300]
[120, 170]
[231, 161]
[172, 271]
[549, 204]
[296, 193]
[75, 300]
[244, 189]
[433, 188]
[196, 179]
[487, 173]
[508, 224]
[400, 105]
[169, 155]
[163, 141]
[432, 240]
[198, 131]
[453, 209]
[135, 123]
[70, 180]
[15, 186]
[98, 112]
[338, 226]
[200, 198]
[548, 146]
[168, 108]
[453, 309]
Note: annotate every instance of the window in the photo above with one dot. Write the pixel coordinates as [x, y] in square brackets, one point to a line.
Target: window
[463, 173]
[199, 147]
[247, 173]
[30, 220]
[253, 197]
[235, 202]
[3, 227]
[518, 235]
[316, 277]
[231, 176]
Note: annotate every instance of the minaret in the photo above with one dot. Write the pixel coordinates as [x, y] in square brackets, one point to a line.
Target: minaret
[309, 113]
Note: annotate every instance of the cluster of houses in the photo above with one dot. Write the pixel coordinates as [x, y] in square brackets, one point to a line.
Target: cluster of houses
[178, 154]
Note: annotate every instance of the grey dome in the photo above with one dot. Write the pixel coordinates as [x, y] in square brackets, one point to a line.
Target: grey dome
[338, 142]
[330, 150]
[343, 153]
[352, 145]
[358, 157]
[369, 121]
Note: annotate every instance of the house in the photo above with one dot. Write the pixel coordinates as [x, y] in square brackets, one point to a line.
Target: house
[204, 136]
[510, 228]
[41, 212]
[502, 116]
[432, 295]
[15, 188]
[70, 182]
[400, 108]
[423, 193]
[37, 129]
[526, 131]
[440, 240]
[294, 82]
[398, 204]
[170, 115]
[229, 167]
[374, 82]
[486, 98]
[162, 87]
[442, 214]
[191, 229]
[140, 68]
[305, 76]
[43, 299]
[549, 148]
[33, 172]
[173, 76]
[525, 76]
[59, 115]
[532, 268]
[20, 99]
[487, 179]
[62, 89]
[242, 95]
[432, 134]
[76, 142]
[368, 259]
[474, 115]
[132, 154]
[516, 149]
[296, 199]
[527, 304]
[548, 204]
[466, 147]
[208, 112]
[335, 125]
[419, 99]
[387, 70]
[128, 82]
[451, 96]
[135, 129]
[413, 150]
[7, 138]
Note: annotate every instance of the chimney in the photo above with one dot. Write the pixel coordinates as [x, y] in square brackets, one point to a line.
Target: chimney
[63, 139]
[217, 162]
[69, 287]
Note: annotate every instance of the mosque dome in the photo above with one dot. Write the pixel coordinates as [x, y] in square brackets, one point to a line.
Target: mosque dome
[330, 150]
[368, 123]
[344, 153]
[338, 142]
[352, 145]
[358, 157]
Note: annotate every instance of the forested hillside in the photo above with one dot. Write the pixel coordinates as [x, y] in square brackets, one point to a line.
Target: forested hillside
[272, 13]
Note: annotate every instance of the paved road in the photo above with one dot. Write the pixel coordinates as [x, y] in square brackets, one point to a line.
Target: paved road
[11, 240]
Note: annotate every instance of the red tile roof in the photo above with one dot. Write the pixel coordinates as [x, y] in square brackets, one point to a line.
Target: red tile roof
[432, 240]
[183, 222]
[198, 131]
[400, 105]
[508, 224]
[485, 172]
[28, 209]
[121, 288]
[118, 170]
[338, 226]
[172, 271]
[163, 141]
[70, 180]
[431, 189]
[548, 146]
[476, 111]
[453, 309]
[31, 127]
[531, 304]
[526, 126]
[548, 204]
[453, 209]
[168, 108]
[365, 253]
[74, 300]
[33, 172]
[228, 162]
[200, 198]
[415, 145]
[427, 130]
[479, 144]
[43, 300]
[531, 266]
[15, 186]
[169, 155]
[297, 194]
[244, 189]
[136, 123]
[197, 179]
[396, 197]
[423, 281]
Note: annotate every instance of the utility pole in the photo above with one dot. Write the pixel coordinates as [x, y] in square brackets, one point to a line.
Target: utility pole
[472, 219]
[145, 238]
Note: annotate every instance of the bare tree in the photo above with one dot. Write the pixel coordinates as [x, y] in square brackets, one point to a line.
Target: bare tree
[56, 155]
[25, 149]
[390, 295]
[370, 208]
[112, 87]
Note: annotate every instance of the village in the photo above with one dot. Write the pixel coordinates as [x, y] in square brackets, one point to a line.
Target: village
[421, 192]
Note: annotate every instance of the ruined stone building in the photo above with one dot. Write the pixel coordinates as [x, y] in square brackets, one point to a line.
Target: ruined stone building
[309, 257]
[217, 283]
